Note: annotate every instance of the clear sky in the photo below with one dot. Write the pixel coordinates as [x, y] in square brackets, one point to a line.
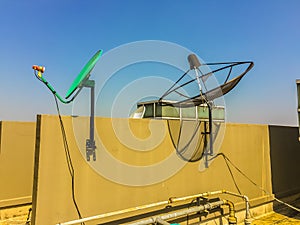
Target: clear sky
[63, 34]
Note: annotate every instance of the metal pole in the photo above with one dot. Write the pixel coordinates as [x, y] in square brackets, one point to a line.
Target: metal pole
[205, 144]
[90, 143]
[198, 80]
[211, 145]
[298, 91]
[247, 220]
[92, 117]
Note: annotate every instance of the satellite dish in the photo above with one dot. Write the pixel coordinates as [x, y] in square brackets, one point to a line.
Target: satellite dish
[82, 80]
[77, 84]
[84, 74]
[197, 116]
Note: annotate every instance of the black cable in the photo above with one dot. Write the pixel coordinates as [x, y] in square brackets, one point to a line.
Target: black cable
[230, 171]
[67, 151]
[241, 172]
[251, 181]
[69, 159]
[28, 217]
[226, 159]
[182, 151]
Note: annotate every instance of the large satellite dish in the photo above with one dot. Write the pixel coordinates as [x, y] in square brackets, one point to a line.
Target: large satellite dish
[194, 120]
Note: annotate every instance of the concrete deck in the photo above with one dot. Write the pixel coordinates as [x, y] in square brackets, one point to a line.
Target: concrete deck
[282, 215]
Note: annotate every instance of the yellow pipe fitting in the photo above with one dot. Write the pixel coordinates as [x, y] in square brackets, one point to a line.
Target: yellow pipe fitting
[232, 218]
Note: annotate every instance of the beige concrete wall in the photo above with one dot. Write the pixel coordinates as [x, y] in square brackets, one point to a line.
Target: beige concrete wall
[285, 156]
[17, 144]
[246, 145]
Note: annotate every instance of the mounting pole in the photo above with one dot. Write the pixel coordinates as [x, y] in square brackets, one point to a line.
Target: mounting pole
[194, 65]
[298, 91]
[90, 143]
[209, 151]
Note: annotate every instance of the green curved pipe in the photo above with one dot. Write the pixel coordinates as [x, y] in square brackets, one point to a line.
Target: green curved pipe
[54, 92]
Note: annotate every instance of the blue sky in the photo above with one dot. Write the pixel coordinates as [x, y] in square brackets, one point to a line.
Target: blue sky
[62, 35]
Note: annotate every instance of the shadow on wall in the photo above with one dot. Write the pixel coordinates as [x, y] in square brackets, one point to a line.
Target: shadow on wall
[285, 159]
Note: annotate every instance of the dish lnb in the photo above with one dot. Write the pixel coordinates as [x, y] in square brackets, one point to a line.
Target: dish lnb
[193, 61]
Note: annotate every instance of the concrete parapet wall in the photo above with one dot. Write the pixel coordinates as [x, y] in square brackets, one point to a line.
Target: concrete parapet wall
[247, 146]
[285, 156]
[268, 155]
[17, 140]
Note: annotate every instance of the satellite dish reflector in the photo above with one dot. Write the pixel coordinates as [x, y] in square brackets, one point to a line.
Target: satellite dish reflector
[194, 119]
[77, 83]
[211, 94]
[84, 73]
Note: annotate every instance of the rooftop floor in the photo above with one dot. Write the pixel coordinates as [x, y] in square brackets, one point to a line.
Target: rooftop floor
[282, 215]
[276, 218]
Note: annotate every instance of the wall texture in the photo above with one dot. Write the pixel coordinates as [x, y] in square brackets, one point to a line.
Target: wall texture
[104, 187]
[17, 141]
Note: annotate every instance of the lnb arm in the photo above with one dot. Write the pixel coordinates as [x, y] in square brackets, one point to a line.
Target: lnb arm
[38, 71]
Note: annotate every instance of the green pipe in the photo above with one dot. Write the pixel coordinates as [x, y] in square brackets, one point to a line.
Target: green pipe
[53, 91]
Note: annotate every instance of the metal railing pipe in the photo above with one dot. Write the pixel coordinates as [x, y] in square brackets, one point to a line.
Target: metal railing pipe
[201, 208]
[162, 203]
[137, 208]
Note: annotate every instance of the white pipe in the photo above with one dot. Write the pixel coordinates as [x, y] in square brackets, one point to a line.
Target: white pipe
[162, 222]
[168, 202]
[180, 213]
[198, 80]
[247, 220]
